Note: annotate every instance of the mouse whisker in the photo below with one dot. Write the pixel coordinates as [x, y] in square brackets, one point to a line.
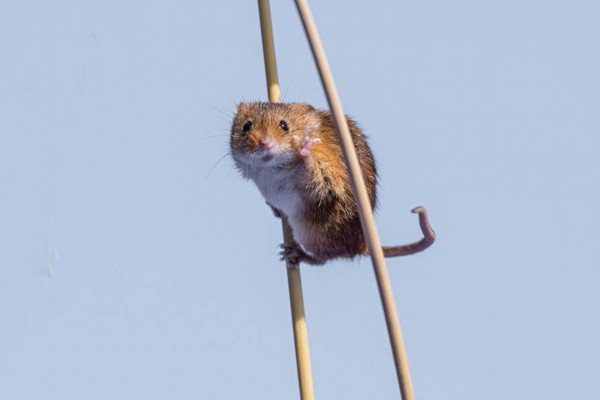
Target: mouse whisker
[225, 113]
[215, 165]
[211, 137]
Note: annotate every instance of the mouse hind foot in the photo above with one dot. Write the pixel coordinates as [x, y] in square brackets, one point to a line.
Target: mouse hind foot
[295, 254]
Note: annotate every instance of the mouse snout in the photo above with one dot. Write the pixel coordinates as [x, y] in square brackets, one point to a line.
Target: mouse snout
[265, 143]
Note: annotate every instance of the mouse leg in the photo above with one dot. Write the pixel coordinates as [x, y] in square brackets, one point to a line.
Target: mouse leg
[276, 211]
[295, 254]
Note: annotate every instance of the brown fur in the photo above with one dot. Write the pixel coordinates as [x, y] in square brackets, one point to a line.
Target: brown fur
[326, 216]
[329, 213]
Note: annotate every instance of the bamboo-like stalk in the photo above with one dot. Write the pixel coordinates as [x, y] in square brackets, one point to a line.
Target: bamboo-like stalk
[293, 270]
[364, 207]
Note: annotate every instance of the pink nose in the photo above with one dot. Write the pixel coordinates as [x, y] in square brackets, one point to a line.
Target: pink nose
[265, 144]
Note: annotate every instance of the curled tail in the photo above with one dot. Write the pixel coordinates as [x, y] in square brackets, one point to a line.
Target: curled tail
[412, 248]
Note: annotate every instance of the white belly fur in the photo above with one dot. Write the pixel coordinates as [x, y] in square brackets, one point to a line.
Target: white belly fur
[280, 192]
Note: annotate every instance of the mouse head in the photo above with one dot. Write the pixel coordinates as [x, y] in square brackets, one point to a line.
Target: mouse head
[263, 133]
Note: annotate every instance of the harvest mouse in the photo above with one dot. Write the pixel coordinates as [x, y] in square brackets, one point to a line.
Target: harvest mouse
[291, 152]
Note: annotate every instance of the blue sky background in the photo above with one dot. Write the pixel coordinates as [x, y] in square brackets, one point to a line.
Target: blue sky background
[131, 268]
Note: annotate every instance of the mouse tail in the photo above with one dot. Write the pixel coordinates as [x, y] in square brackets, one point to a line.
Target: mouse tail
[416, 247]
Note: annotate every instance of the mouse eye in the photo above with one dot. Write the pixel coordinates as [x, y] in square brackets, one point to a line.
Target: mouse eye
[283, 125]
[247, 126]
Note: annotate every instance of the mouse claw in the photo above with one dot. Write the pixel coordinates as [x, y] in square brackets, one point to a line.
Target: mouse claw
[290, 254]
[293, 253]
[306, 144]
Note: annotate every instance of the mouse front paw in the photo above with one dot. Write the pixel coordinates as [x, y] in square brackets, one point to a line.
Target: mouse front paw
[306, 142]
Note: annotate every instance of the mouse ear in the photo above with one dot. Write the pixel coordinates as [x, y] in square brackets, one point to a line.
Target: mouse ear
[242, 107]
[304, 108]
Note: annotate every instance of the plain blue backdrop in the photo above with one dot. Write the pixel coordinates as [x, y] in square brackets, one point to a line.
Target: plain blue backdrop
[134, 264]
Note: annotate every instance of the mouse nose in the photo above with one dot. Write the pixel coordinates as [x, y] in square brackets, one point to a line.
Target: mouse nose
[265, 143]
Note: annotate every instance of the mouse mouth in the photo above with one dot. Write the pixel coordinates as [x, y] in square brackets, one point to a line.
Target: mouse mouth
[265, 154]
